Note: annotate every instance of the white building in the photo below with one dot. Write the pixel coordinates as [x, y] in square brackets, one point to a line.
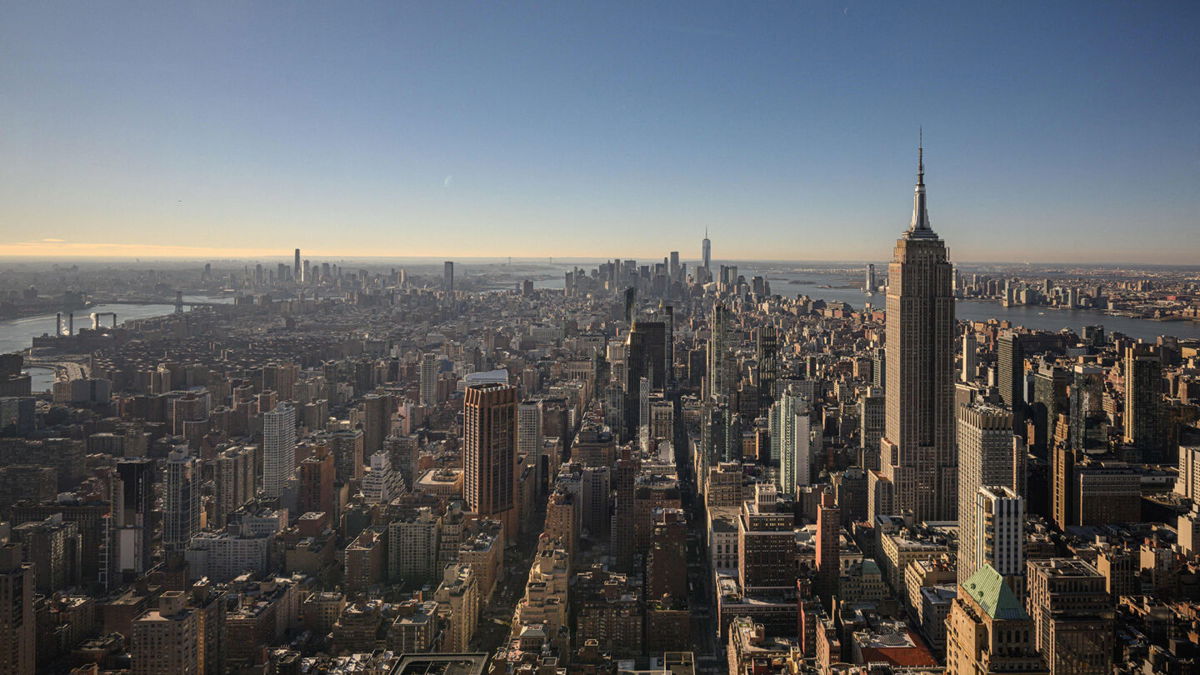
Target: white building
[381, 484]
[279, 448]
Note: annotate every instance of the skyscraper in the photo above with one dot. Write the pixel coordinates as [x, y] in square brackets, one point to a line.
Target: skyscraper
[985, 458]
[1143, 401]
[429, 379]
[489, 452]
[296, 268]
[721, 371]
[279, 448]
[448, 276]
[706, 255]
[918, 462]
[529, 440]
[829, 530]
[998, 535]
[18, 629]
[181, 512]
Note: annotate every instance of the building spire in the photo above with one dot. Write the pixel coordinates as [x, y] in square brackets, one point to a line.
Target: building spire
[919, 227]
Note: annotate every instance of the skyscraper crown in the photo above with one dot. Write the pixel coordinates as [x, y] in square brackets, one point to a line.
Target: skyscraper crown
[919, 227]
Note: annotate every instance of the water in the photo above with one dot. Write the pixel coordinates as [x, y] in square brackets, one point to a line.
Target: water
[847, 289]
[17, 334]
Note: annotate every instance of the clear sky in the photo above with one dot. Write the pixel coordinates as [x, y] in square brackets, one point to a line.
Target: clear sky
[1054, 131]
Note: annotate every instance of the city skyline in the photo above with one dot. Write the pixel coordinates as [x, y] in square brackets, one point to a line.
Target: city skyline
[791, 123]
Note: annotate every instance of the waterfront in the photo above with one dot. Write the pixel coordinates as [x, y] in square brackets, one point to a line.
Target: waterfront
[845, 287]
[17, 334]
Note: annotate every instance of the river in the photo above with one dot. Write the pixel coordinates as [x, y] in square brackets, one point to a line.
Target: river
[17, 334]
[845, 287]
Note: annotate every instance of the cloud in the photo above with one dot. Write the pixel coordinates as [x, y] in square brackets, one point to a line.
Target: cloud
[449, 179]
[52, 240]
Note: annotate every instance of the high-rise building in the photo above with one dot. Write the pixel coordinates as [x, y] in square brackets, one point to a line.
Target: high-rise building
[767, 355]
[448, 276]
[766, 543]
[1088, 421]
[296, 267]
[233, 482]
[829, 530]
[985, 457]
[1143, 418]
[1072, 616]
[870, 284]
[988, 631]
[316, 477]
[792, 438]
[997, 535]
[181, 505]
[706, 254]
[279, 448]
[18, 629]
[377, 420]
[872, 420]
[970, 356]
[530, 443]
[165, 640]
[381, 484]
[721, 371]
[429, 379]
[643, 361]
[918, 462]
[489, 452]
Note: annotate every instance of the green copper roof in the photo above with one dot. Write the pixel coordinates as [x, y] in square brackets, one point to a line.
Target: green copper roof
[987, 588]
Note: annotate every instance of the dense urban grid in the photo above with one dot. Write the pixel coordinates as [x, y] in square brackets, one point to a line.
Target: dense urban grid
[656, 468]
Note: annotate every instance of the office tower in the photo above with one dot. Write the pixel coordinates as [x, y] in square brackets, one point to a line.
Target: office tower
[1088, 421]
[673, 270]
[918, 463]
[233, 483]
[18, 630]
[1049, 401]
[377, 420]
[1072, 616]
[316, 477]
[722, 373]
[997, 535]
[134, 536]
[829, 529]
[643, 360]
[988, 631]
[306, 272]
[985, 457]
[706, 255]
[767, 355]
[448, 276]
[766, 543]
[870, 281]
[1011, 351]
[489, 452]
[296, 267]
[872, 419]
[792, 439]
[1188, 483]
[181, 504]
[429, 379]
[530, 441]
[165, 640]
[970, 356]
[621, 532]
[1143, 418]
[279, 448]
[380, 485]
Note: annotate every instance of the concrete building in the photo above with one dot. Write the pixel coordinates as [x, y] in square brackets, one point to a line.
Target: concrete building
[489, 452]
[165, 641]
[988, 631]
[1072, 616]
[279, 448]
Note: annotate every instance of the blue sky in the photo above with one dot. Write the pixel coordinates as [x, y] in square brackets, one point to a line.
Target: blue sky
[1054, 131]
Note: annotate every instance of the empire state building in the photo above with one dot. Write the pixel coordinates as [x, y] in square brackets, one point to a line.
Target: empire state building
[918, 457]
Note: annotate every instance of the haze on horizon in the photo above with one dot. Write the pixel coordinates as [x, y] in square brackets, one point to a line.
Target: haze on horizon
[1064, 132]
